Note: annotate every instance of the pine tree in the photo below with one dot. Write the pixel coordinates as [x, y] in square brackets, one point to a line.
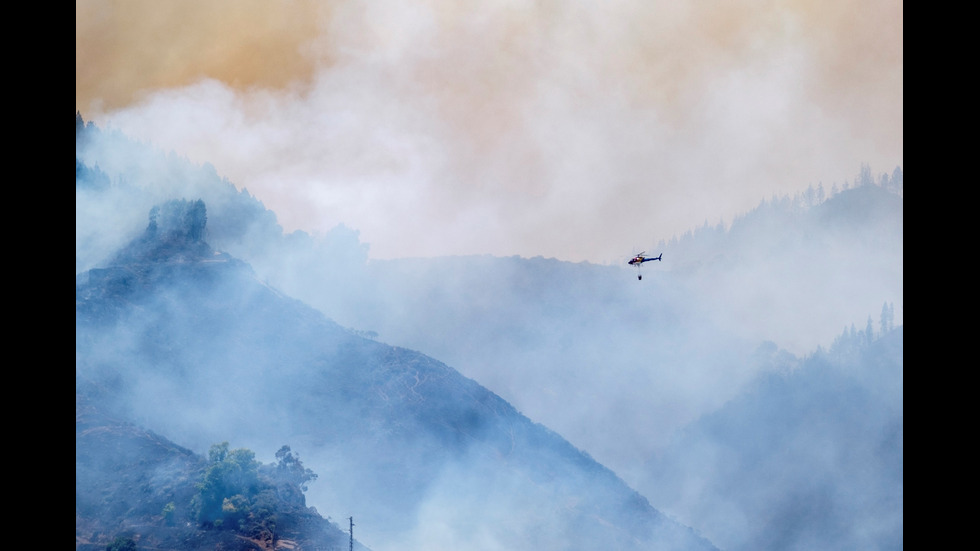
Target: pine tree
[887, 318]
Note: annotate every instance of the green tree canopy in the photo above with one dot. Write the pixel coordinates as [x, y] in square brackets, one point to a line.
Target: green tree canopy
[290, 469]
[229, 473]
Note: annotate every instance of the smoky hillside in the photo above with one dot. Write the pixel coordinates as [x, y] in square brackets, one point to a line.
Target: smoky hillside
[136, 489]
[605, 352]
[187, 342]
[625, 370]
[809, 457]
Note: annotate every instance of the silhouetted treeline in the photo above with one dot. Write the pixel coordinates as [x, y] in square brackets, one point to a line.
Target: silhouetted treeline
[90, 177]
[853, 340]
[787, 207]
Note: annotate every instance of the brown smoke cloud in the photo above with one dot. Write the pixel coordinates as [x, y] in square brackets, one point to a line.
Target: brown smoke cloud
[558, 128]
[125, 49]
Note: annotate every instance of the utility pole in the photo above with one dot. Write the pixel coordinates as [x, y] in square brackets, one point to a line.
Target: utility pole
[351, 533]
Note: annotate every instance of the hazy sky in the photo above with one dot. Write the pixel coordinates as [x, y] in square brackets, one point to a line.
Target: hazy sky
[572, 129]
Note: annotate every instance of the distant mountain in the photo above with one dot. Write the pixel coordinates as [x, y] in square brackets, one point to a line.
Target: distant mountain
[187, 342]
[671, 347]
[794, 271]
[810, 457]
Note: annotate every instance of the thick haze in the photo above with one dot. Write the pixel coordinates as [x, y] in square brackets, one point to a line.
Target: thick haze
[574, 130]
[578, 130]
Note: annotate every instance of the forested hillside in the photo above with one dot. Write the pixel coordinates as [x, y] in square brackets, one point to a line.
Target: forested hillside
[135, 489]
[185, 341]
[810, 457]
[264, 338]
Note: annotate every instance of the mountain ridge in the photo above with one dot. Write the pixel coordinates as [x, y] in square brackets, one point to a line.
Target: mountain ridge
[173, 333]
[805, 458]
[616, 367]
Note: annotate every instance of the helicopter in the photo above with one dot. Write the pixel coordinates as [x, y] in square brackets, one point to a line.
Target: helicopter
[639, 259]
